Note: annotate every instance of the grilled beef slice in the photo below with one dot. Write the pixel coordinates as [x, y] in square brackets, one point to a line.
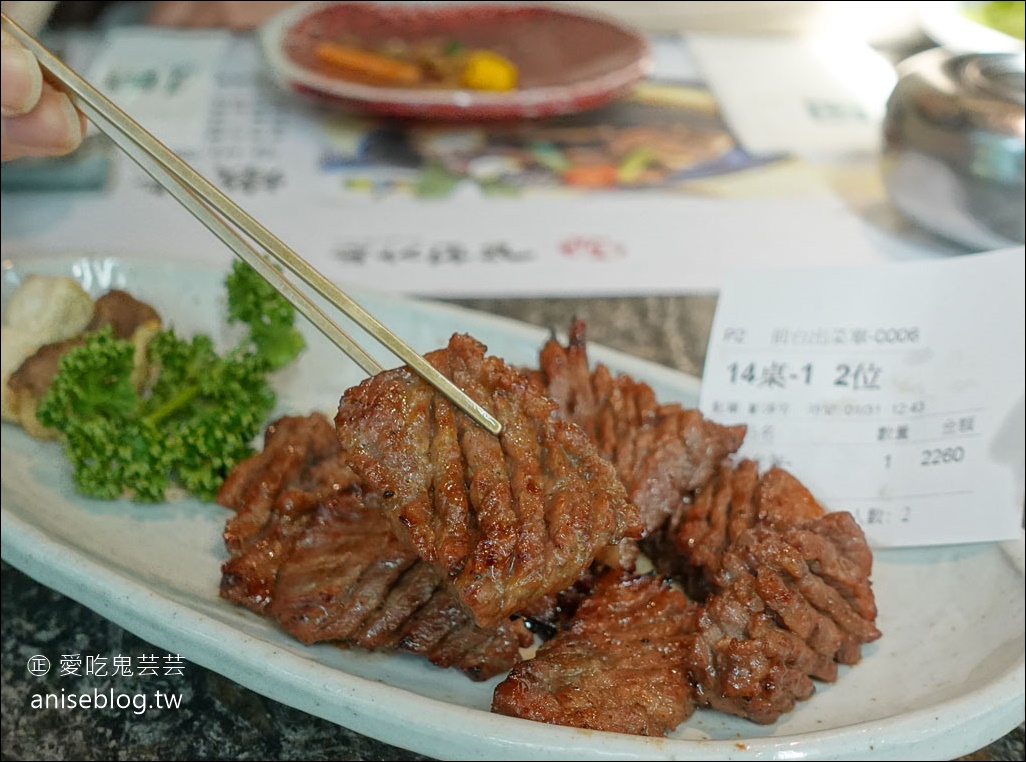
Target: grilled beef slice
[662, 452]
[504, 519]
[408, 527]
[307, 552]
[620, 666]
[785, 587]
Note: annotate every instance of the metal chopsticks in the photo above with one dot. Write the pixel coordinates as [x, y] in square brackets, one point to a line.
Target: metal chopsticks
[219, 214]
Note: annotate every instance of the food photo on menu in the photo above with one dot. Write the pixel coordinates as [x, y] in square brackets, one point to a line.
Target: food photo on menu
[513, 381]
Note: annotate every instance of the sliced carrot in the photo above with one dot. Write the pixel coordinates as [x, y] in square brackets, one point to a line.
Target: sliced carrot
[591, 175]
[373, 65]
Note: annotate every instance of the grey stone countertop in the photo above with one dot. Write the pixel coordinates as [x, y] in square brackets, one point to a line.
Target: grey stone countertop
[218, 719]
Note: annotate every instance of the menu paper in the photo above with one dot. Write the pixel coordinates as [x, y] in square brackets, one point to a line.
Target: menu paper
[813, 95]
[165, 79]
[405, 210]
[894, 391]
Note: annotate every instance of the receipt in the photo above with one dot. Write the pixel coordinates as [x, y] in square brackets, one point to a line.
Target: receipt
[894, 391]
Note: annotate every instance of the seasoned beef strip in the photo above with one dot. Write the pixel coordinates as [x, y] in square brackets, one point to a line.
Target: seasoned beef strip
[789, 606]
[744, 663]
[662, 452]
[620, 666]
[692, 544]
[307, 552]
[506, 519]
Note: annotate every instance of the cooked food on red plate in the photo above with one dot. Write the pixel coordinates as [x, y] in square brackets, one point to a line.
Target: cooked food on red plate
[430, 63]
[454, 61]
[606, 552]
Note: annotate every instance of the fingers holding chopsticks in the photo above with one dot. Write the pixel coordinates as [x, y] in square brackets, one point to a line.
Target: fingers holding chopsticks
[37, 119]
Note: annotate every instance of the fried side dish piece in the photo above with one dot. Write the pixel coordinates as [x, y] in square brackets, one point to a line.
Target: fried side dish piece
[308, 553]
[49, 308]
[44, 309]
[505, 519]
[127, 317]
[662, 452]
[621, 665]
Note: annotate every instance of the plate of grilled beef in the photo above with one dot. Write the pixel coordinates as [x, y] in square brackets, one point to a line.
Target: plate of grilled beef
[604, 579]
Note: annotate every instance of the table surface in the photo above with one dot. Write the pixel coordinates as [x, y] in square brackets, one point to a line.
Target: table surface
[220, 719]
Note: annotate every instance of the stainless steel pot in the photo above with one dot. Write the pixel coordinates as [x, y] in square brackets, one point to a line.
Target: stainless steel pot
[953, 146]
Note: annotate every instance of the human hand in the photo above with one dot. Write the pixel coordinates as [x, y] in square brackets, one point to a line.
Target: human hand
[230, 15]
[37, 119]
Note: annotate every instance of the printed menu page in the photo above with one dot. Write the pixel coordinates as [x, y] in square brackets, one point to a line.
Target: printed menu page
[651, 194]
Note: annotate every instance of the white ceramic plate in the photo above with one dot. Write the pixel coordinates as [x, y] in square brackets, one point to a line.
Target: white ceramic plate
[945, 679]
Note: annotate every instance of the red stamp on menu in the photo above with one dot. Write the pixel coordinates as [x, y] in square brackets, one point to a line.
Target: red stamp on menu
[593, 247]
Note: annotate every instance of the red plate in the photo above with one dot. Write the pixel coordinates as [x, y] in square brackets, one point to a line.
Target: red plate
[567, 61]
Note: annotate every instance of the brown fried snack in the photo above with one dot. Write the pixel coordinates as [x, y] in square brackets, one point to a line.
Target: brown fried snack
[127, 317]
